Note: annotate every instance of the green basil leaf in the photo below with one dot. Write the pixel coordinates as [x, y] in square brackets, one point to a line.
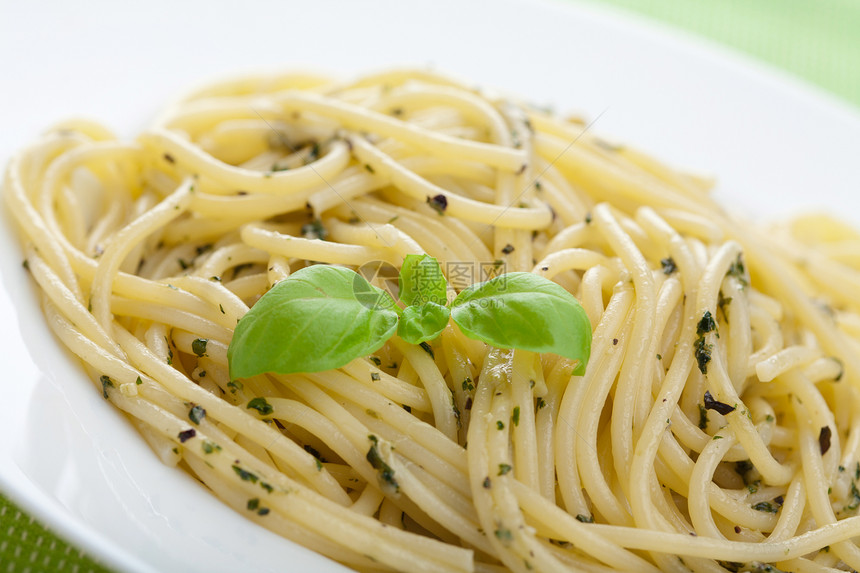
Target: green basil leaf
[320, 317]
[525, 311]
[420, 323]
[421, 281]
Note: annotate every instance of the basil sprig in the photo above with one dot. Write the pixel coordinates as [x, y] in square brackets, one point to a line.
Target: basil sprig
[322, 317]
[424, 291]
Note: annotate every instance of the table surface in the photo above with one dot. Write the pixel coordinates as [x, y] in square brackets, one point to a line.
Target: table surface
[816, 40]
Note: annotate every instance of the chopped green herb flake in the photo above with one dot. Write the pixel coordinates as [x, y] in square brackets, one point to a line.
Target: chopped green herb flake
[106, 383]
[707, 324]
[824, 439]
[703, 354]
[515, 418]
[138, 381]
[186, 435]
[500, 425]
[253, 504]
[585, 518]
[376, 360]
[263, 511]
[312, 451]
[738, 271]
[504, 468]
[504, 535]
[374, 376]
[314, 230]
[237, 270]
[199, 346]
[668, 265]
[438, 202]
[841, 369]
[261, 405]
[487, 483]
[196, 414]
[428, 349]
[468, 386]
[721, 407]
[766, 507]
[210, 447]
[703, 417]
[386, 474]
[508, 249]
[722, 304]
[245, 474]
[855, 494]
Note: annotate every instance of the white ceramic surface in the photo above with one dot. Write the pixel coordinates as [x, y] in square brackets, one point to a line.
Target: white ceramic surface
[66, 456]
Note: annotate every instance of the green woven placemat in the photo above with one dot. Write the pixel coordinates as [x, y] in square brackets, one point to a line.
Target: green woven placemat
[27, 547]
[817, 40]
[814, 39]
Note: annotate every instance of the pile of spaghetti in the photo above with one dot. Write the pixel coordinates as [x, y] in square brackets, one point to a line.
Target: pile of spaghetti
[716, 427]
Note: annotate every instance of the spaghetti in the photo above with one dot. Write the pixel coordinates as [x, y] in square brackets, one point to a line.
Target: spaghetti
[717, 426]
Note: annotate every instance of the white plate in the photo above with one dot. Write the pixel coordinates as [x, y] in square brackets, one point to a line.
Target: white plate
[70, 459]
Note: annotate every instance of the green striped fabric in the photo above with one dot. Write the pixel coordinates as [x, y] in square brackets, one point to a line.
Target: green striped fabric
[818, 40]
[27, 547]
